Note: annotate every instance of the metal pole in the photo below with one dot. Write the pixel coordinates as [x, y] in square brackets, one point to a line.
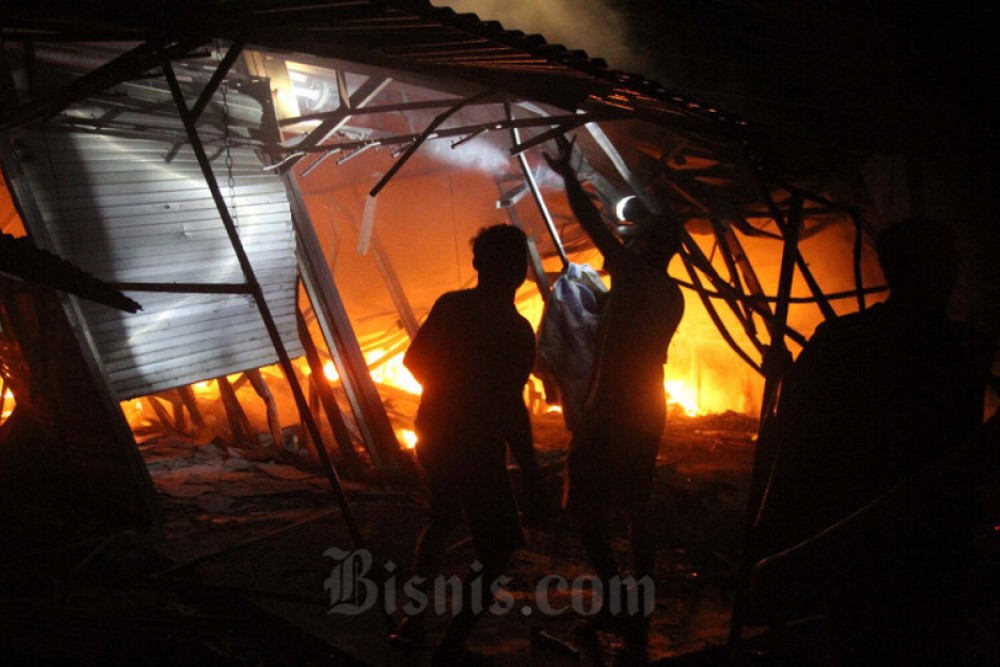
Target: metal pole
[265, 312]
[534, 258]
[536, 194]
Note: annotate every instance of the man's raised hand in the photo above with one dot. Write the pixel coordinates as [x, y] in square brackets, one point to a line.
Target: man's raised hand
[561, 163]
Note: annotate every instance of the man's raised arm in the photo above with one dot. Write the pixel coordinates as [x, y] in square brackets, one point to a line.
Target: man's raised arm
[583, 207]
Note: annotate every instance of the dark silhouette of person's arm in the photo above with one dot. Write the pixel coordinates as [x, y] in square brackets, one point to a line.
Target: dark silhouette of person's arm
[583, 207]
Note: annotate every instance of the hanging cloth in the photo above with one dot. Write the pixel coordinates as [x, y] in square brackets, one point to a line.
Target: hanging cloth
[568, 335]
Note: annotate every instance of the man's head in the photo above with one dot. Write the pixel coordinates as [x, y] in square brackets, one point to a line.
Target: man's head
[919, 261]
[500, 256]
[655, 238]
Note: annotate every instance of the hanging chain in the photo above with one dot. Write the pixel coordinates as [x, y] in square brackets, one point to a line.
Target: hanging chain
[228, 140]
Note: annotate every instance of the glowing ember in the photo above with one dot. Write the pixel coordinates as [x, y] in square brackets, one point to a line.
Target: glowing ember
[330, 371]
[683, 396]
[553, 408]
[408, 438]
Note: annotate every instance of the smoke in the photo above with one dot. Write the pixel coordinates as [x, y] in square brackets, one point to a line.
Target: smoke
[591, 25]
[479, 153]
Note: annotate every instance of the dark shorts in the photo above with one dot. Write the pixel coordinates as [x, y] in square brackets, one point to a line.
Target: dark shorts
[609, 468]
[472, 484]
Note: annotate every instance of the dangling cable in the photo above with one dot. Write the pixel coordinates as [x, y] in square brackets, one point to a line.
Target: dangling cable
[228, 142]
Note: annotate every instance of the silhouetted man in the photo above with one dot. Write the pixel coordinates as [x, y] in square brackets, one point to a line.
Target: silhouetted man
[612, 457]
[473, 356]
[875, 399]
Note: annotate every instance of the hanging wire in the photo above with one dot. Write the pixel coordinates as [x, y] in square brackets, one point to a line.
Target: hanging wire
[228, 142]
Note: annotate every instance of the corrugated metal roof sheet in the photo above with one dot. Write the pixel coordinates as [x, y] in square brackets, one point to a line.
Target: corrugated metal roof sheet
[113, 206]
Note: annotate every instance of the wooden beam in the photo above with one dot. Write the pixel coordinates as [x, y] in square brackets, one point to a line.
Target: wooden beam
[259, 385]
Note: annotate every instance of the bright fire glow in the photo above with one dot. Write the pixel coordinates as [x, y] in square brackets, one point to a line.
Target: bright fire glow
[202, 388]
[683, 396]
[408, 437]
[330, 371]
[392, 372]
[553, 408]
[8, 405]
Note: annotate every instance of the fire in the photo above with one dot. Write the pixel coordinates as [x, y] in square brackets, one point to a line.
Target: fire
[408, 438]
[202, 388]
[683, 396]
[8, 405]
[391, 371]
[330, 371]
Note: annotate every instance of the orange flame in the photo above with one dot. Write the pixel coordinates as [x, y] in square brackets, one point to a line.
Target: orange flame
[683, 396]
[8, 405]
[408, 438]
[392, 372]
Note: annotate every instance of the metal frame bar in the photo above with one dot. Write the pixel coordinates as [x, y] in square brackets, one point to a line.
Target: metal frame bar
[419, 140]
[367, 111]
[373, 422]
[536, 193]
[439, 134]
[142, 58]
[396, 291]
[185, 288]
[265, 312]
[334, 417]
[534, 257]
[235, 49]
[366, 405]
[366, 93]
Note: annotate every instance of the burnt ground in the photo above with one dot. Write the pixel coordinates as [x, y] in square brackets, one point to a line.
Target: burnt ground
[236, 573]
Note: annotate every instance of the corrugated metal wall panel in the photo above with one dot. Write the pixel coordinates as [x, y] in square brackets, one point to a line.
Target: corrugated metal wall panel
[118, 209]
